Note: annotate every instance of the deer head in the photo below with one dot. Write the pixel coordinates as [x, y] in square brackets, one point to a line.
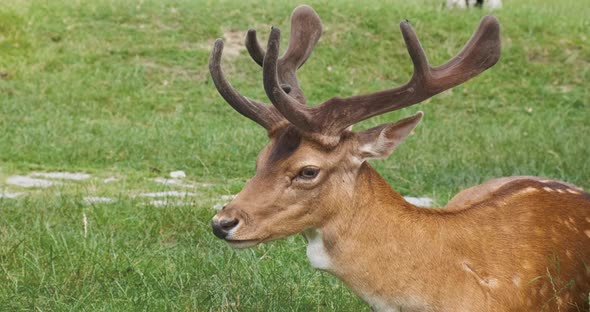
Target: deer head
[309, 169]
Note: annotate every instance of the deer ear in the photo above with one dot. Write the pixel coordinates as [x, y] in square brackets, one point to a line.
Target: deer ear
[380, 141]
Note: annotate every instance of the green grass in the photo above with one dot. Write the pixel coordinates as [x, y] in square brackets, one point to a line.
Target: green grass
[122, 88]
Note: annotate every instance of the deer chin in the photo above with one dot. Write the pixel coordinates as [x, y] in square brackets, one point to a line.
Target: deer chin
[238, 243]
[245, 241]
[242, 243]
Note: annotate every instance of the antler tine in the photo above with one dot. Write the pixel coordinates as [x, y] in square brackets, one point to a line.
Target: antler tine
[257, 111]
[480, 53]
[306, 29]
[294, 111]
[419, 59]
[254, 48]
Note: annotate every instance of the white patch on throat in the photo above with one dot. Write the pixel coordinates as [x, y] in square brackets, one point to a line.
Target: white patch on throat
[316, 252]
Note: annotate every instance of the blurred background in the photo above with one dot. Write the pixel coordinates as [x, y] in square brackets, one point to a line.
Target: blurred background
[115, 146]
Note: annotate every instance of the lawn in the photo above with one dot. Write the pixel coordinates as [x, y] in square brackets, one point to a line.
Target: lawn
[120, 90]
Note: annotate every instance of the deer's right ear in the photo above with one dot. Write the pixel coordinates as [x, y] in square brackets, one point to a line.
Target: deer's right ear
[379, 142]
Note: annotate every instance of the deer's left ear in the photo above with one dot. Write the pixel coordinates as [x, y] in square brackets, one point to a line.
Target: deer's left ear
[379, 142]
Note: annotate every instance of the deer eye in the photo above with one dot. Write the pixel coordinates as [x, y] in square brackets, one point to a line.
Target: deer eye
[309, 173]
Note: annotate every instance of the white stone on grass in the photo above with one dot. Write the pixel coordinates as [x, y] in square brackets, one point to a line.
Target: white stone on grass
[424, 202]
[167, 194]
[173, 182]
[178, 174]
[167, 202]
[98, 200]
[62, 175]
[9, 195]
[23, 181]
[109, 180]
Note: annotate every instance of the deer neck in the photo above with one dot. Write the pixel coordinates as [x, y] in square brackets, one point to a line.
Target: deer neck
[373, 216]
[373, 234]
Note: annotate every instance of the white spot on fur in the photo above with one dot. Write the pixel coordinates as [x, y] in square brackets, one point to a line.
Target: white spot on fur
[561, 191]
[62, 175]
[516, 280]
[420, 201]
[490, 282]
[316, 251]
[587, 232]
[30, 182]
[548, 189]
[526, 190]
[572, 191]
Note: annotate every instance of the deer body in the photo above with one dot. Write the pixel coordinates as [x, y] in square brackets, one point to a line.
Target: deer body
[492, 256]
[511, 244]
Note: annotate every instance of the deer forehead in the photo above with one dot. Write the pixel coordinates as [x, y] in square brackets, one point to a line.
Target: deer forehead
[292, 150]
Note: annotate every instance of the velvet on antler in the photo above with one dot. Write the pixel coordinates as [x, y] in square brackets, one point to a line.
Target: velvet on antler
[333, 116]
[306, 29]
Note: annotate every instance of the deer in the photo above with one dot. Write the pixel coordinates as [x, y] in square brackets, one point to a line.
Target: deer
[510, 244]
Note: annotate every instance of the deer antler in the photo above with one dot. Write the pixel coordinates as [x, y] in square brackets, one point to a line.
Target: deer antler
[306, 29]
[330, 118]
[263, 114]
[294, 111]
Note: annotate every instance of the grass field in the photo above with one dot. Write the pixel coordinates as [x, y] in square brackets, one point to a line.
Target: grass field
[121, 89]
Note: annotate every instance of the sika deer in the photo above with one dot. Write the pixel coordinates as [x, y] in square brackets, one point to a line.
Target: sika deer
[511, 244]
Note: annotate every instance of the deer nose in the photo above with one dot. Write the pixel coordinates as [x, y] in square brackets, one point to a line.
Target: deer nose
[222, 227]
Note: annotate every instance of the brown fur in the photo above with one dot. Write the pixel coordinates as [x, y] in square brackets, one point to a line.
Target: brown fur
[512, 244]
[473, 256]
